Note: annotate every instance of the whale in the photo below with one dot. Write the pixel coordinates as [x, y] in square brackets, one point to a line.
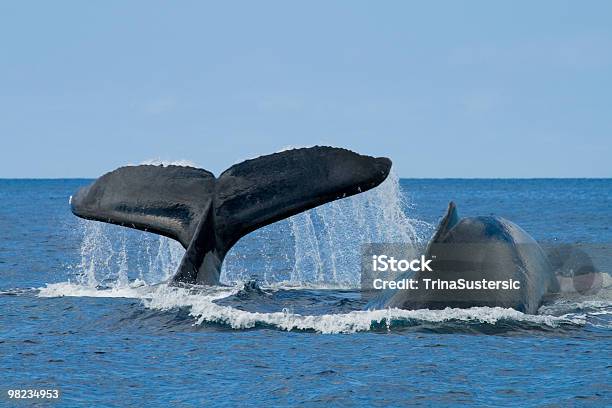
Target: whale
[473, 249]
[207, 215]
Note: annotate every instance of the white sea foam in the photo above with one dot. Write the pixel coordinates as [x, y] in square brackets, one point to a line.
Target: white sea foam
[135, 290]
[202, 307]
[364, 320]
[602, 303]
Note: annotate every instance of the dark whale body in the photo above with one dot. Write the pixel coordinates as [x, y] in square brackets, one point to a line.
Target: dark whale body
[477, 248]
[209, 214]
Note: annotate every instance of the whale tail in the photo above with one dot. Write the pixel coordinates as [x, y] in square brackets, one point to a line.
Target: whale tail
[209, 214]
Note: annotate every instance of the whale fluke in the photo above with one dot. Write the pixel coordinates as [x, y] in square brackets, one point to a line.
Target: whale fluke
[208, 215]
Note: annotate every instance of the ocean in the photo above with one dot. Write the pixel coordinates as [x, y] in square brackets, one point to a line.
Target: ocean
[84, 308]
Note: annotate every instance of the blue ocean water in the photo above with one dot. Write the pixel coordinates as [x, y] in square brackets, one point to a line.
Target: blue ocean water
[84, 308]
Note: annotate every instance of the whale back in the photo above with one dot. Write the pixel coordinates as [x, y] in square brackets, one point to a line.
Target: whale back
[477, 248]
[495, 249]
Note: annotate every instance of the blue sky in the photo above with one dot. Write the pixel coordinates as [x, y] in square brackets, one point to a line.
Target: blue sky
[446, 89]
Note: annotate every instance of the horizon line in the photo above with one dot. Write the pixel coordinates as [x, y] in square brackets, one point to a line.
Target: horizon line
[400, 177]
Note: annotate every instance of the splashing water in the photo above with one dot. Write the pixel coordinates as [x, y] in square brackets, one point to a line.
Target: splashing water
[321, 246]
[111, 255]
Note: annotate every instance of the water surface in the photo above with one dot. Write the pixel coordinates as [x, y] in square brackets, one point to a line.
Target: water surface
[84, 308]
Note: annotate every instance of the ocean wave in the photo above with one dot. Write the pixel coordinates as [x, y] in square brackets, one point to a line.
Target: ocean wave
[200, 302]
[357, 321]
